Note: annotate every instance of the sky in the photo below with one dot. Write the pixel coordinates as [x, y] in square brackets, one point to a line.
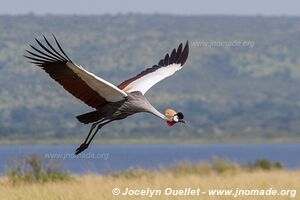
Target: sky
[182, 7]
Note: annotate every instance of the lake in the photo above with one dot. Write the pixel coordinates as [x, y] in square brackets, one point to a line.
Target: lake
[104, 158]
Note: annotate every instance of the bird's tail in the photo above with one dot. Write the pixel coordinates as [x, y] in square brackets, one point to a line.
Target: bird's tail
[89, 117]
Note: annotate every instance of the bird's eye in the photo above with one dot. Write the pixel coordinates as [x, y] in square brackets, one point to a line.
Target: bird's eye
[175, 118]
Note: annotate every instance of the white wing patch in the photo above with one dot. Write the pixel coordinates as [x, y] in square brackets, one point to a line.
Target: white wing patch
[166, 67]
[105, 89]
[144, 83]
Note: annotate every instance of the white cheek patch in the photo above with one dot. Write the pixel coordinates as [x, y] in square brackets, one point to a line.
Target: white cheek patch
[175, 118]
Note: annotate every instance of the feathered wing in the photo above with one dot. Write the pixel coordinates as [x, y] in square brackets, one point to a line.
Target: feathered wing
[165, 68]
[87, 87]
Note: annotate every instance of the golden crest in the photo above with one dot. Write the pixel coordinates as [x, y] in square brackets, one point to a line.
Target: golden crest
[170, 112]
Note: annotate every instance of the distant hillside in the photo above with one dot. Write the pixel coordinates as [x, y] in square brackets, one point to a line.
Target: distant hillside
[242, 79]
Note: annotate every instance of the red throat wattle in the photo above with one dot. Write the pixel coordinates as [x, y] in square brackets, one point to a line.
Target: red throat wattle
[170, 123]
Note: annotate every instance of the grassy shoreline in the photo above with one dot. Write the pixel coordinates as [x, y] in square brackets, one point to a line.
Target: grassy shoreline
[92, 186]
[48, 183]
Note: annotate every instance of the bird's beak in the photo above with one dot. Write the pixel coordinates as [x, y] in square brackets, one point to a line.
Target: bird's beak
[182, 121]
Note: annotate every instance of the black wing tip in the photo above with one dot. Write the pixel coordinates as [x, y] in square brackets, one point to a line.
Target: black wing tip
[44, 37]
[53, 35]
[178, 56]
[179, 48]
[60, 48]
[185, 53]
[46, 55]
[25, 56]
[187, 45]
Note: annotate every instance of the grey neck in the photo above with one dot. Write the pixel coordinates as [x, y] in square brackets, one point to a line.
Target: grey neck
[139, 99]
[158, 114]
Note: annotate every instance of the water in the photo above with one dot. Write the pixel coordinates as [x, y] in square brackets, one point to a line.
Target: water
[104, 158]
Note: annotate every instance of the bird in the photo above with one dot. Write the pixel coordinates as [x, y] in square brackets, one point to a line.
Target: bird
[109, 102]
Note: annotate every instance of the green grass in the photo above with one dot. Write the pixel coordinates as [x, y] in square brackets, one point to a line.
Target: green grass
[217, 166]
[34, 169]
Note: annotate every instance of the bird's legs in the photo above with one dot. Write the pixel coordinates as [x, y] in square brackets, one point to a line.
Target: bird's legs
[84, 145]
[88, 140]
[92, 128]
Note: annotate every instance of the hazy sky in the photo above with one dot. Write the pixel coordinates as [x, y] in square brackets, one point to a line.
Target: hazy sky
[229, 7]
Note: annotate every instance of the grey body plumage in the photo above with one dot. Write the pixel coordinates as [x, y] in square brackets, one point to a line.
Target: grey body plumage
[134, 103]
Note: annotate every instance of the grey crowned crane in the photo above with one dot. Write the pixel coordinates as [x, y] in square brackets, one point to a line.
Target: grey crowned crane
[109, 101]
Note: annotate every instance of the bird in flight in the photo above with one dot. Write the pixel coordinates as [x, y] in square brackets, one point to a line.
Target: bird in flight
[109, 101]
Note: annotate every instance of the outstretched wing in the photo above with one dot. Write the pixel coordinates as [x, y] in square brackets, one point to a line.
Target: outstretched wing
[82, 84]
[165, 68]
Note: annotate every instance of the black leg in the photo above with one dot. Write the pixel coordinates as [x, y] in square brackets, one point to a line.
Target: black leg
[81, 148]
[92, 128]
[84, 145]
[98, 128]
[87, 142]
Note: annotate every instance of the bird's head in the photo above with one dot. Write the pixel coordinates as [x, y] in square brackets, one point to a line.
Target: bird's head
[173, 117]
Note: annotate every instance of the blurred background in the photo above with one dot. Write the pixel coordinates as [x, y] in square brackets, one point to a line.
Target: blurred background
[240, 84]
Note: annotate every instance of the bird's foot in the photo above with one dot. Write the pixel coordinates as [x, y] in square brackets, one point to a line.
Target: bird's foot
[82, 147]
